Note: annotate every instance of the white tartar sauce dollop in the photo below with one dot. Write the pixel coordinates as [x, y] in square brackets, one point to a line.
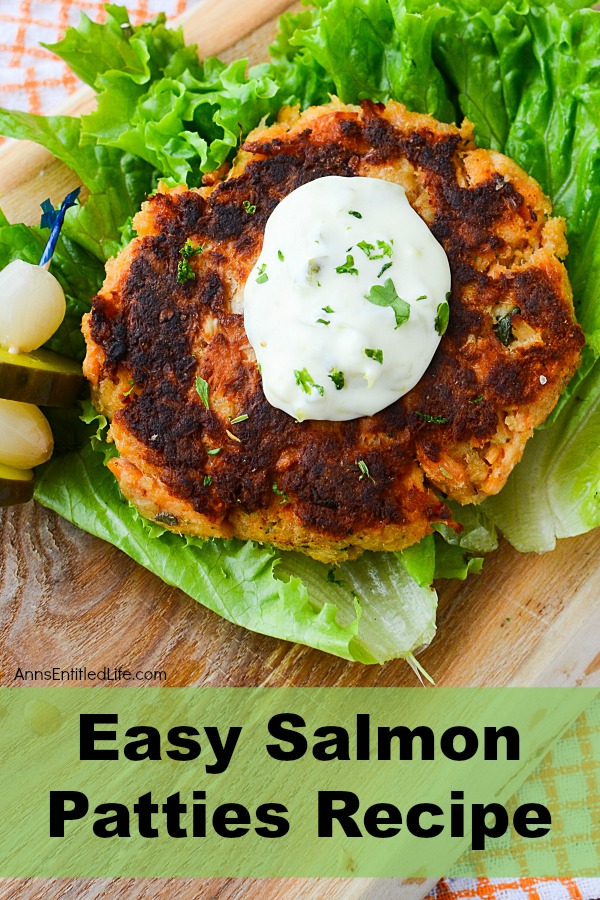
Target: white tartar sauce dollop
[347, 302]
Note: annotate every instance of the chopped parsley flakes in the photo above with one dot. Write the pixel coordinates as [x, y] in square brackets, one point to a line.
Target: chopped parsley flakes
[305, 380]
[367, 249]
[207, 480]
[364, 470]
[503, 327]
[202, 390]
[434, 420]
[377, 355]
[327, 309]
[355, 213]
[214, 451]
[442, 317]
[338, 379]
[384, 268]
[370, 251]
[282, 494]
[184, 269]
[250, 208]
[348, 267]
[280, 256]
[262, 274]
[386, 295]
[323, 322]
[239, 419]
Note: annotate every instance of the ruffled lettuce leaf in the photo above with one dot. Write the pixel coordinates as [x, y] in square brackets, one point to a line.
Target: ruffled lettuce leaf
[452, 553]
[159, 102]
[372, 49]
[118, 182]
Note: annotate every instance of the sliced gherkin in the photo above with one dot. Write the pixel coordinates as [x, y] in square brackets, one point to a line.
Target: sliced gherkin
[16, 485]
[42, 377]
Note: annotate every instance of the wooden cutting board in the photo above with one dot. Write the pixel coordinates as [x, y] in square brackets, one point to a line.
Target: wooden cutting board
[68, 599]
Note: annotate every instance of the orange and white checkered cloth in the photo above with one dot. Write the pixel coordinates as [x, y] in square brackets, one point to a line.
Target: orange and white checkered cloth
[31, 78]
[520, 889]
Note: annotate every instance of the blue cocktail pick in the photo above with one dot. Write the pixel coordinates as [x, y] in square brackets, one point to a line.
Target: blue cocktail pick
[53, 219]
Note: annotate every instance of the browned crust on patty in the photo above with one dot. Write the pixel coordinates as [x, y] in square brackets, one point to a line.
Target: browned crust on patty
[149, 331]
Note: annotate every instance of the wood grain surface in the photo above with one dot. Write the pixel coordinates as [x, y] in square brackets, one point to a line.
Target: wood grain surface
[67, 599]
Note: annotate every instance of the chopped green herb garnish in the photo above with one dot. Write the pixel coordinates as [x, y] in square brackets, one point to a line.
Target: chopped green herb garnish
[262, 274]
[383, 269]
[377, 355]
[434, 420]
[202, 390]
[238, 419]
[280, 255]
[355, 213]
[327, 309]
[385, 295]
[503, 327]
[442, 317]
[305, 380]
[367, 249]
[338, 379]
[207, 480]
[214, 451]
[445, 472]
[370, 251]
[282, 494]
[184, 269]
[189, 249]
[131, 387]
[477, 399]
[386, 249]
[364, 469]
[422, 297]
[323, 321]
[250, 208]
[348, 267]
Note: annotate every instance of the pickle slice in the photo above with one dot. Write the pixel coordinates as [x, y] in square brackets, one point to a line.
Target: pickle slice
[16, 485]
[41, 377]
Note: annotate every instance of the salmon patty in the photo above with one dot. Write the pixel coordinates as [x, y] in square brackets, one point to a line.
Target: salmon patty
[241, 468]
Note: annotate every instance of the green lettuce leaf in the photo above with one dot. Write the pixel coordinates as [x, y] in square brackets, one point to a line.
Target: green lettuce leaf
[118, 181]
[372, 49]
[449, 553]
[91, 48]
[158, 101]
